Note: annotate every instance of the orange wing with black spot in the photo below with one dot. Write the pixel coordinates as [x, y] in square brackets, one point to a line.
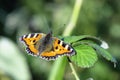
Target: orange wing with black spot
[30, 41]
[59, 48]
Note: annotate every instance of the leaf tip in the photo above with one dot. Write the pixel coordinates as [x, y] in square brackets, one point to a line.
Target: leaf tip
[104, 45]
[114, 65]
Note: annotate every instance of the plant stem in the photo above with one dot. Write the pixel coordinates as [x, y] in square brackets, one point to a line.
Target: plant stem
[58, 69]
[73, 20]
[59, 65]
[73, 71]
[71, 26]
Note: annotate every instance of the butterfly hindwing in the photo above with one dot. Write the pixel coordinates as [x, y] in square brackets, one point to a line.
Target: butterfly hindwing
[59, 48]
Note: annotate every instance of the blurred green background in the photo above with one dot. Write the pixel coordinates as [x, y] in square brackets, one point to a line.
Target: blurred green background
[100, 18]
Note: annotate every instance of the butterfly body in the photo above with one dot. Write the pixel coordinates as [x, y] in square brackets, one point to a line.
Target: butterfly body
[46, 46]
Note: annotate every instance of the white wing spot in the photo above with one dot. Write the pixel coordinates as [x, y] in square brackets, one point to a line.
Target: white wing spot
[66, 47]
[35, 35]
[61, 42]
[29, 35]
[24, 36]
[71, 49]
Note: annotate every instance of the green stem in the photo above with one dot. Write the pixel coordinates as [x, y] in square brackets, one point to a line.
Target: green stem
[74, 18]
[59, 65]
[71, 26]
[73, 71]
[58, 69]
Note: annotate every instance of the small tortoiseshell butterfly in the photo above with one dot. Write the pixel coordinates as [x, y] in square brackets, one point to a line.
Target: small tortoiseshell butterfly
[46, 46]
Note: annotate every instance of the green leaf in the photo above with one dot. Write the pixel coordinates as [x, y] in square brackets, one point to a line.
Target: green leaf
[71, 39]
[74, 39]
[85, 56]
[91, 42]
[103, 52]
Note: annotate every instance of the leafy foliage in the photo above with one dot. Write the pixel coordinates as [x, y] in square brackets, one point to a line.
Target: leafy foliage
[86, 48]
[104, 53]
[85, 56]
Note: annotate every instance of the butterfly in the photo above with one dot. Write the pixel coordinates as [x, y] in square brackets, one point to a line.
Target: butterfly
[46, 46]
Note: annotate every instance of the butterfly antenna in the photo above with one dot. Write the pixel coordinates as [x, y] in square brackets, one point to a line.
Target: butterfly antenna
[47, 24]
[59, 28]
